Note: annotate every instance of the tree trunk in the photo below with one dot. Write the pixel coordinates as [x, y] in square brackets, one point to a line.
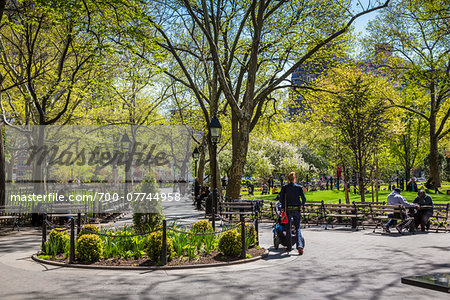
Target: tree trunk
[434, 139]
[377, 180]
[9, 168]
[361, 185]
[240, 140]
[347, 197]
[434, 159]
[201, 162]
[2, 170]
[2, 149]
[38, 168]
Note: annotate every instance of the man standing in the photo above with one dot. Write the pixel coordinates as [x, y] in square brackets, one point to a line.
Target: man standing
[395, 198]
[270, 182]
[290, 195]
[425, 210]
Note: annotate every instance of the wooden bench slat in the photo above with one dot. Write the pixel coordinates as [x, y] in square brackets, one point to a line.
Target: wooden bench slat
[344, 215]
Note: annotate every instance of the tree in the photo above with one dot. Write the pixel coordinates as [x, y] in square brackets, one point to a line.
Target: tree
[2, 148]
[47, 58]
[247, 49]
[355, 105]
[409, 145]
[418, 32]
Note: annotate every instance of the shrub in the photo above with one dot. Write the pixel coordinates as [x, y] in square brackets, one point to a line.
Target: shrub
[154, 247]
[202, 226]
[58, 242]
[250, 234]
[230, 243]
[145, 222]
[89, 248]
[88, 229]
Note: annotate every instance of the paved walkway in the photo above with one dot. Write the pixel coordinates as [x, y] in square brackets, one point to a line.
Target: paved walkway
[338, 264]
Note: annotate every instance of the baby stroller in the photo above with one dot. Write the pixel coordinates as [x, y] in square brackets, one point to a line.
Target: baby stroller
[279, 229]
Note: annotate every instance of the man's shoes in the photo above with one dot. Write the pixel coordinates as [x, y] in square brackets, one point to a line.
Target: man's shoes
[399, 229]
[300, 250]
[386, 228]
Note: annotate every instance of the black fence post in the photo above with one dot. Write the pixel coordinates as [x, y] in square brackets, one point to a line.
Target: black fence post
[214, 204]
[164, 244]
[44, 231]
[354, 219]
[72, 241]
[243, 254]
[257, 231]
[78, 223]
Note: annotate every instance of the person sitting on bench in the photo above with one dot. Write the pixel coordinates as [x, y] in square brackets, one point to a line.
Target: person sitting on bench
[425, 210]
[265, 189]
[203, 196]
[395, 198]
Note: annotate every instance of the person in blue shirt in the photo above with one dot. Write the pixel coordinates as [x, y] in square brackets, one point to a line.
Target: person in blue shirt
[291, 198]
[395, 198]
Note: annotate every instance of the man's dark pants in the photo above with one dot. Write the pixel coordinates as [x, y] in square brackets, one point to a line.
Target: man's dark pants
[422, 218]
[296, 216]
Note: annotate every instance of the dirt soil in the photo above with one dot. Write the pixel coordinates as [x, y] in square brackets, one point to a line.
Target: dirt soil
[214, 257]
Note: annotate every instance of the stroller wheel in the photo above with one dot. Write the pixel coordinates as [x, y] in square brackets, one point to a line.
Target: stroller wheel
[276, 242]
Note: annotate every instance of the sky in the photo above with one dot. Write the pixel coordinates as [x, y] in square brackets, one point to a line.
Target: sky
[361, 22]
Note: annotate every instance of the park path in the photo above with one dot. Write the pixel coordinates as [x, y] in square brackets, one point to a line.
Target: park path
[338, 264]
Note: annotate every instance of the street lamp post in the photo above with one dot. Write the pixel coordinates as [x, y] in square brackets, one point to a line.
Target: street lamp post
[215, 129]
[125, 143]
[195, 156]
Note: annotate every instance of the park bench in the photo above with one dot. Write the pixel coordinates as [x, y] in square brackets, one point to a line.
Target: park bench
[243, 208]
[11, 212]
[311, 210]
[379, 213]
[345, 213]
[63, 210]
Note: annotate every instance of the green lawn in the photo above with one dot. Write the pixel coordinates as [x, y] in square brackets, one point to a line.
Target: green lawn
[334, 196]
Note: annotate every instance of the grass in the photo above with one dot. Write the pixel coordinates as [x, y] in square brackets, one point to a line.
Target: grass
[333, 196]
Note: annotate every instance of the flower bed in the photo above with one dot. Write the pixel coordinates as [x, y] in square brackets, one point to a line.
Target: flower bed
[185, 246]
[213, 258]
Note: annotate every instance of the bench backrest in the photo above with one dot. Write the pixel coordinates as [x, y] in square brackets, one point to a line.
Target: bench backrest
[252, 206]
[11, 209]
[381, 209]
[63, 208]
[339, 206]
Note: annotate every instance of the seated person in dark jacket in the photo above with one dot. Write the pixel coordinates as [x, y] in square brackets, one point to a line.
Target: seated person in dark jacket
[425, 210]
[203, 196]
[290, 196]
